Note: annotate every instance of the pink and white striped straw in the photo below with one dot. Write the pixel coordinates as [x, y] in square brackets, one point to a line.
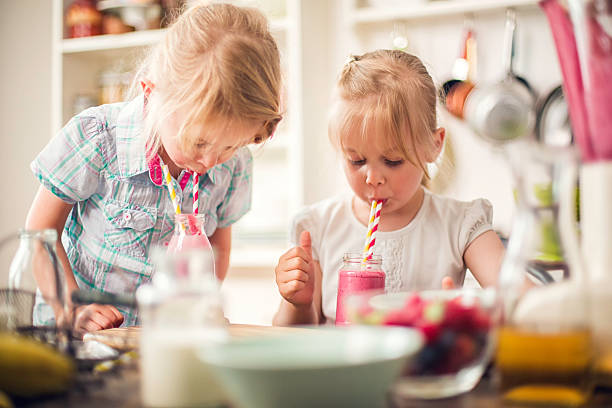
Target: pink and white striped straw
[368, 249]
[196, 193]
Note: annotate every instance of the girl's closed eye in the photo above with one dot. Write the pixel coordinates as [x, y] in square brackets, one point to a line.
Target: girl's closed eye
[356, 162]
[393, 163]
[201, 144]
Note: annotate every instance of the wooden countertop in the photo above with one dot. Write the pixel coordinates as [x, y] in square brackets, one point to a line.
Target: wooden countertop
[126, 338]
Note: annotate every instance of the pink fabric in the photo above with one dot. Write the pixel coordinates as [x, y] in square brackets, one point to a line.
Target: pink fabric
[563, 35]
[155, 171]
[185, 179]
[598, 92]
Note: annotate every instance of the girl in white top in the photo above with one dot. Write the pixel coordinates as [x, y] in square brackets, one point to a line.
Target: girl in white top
[383, 122]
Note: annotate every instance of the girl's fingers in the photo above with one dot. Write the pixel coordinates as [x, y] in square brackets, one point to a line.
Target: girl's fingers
[295, 274]
[84, 314]
[96, 317]
[294, 263]
[91, 326]
[102, 320]
[292, 287]
[285, 267]
[296, 252]
[115, 315]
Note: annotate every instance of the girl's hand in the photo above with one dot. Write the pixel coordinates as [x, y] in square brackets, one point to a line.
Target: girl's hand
[447, 283]
[295, 273]
[94, 317]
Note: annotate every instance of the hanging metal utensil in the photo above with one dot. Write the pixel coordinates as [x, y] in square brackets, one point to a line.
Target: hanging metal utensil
[553, 126]
[510, 52]
[504, 111]
[454, 91]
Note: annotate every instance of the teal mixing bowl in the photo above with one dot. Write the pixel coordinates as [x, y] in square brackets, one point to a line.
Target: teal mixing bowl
[325, 367]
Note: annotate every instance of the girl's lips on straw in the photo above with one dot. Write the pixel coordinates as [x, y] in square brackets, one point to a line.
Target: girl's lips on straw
[378, 199]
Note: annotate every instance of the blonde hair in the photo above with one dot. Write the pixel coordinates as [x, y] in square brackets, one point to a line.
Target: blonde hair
[216, 60]
[392, 90]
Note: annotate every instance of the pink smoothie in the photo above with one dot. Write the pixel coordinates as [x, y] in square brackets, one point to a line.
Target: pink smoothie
[183, 242]
[353, 281]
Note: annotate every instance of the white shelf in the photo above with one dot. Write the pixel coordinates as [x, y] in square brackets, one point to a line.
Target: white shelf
[131, 40]
[111, 41]
[433, 9]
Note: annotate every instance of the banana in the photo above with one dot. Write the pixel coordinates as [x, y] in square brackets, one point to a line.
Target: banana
[5, 401]
[29, 368]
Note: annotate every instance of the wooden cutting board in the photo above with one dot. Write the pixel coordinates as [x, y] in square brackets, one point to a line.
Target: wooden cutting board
[127, 338]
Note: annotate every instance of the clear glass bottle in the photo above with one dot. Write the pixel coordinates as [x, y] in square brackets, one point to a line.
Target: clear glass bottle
[544, 343]
[357, 275]
[34, 292]
[189, 234]
[181, 311]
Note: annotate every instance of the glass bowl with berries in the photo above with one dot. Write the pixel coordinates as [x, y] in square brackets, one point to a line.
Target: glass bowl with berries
[458, 326]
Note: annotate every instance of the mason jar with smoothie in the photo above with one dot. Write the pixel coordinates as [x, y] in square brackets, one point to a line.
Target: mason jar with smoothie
[357, 275]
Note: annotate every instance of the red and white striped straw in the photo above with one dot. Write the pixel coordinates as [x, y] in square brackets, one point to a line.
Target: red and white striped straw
[196, 194]
[368, 249]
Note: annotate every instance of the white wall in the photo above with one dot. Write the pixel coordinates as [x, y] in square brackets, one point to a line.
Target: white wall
[323, 175]
[25, 112]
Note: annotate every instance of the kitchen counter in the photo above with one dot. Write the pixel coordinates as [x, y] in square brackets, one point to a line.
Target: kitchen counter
[120, 388]
[119, 385]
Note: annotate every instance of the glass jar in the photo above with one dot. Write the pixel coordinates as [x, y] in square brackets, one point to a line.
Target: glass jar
[544, 344]
[83, 19]
[189, 233]
[113, 86]
[357, 275]
[181, 311]
[33, 295]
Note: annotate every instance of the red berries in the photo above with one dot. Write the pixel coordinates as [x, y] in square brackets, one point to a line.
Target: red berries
[455, 331]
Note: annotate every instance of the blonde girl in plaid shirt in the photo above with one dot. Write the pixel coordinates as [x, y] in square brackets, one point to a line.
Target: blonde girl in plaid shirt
[210, 88]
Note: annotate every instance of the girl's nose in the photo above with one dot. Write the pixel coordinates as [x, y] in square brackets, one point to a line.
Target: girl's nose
[374, 177]
[209, 159]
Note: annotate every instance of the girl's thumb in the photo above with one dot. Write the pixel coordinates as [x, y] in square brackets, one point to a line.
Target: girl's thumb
[306, 242]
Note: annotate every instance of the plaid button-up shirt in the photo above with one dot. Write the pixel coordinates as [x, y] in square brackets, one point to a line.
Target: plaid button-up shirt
[121, 208]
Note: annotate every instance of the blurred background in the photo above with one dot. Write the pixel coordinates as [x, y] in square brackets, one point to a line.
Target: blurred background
[62, 56]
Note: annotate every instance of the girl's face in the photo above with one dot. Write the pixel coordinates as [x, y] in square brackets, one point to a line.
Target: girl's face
[209, 145]
[375, 172]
